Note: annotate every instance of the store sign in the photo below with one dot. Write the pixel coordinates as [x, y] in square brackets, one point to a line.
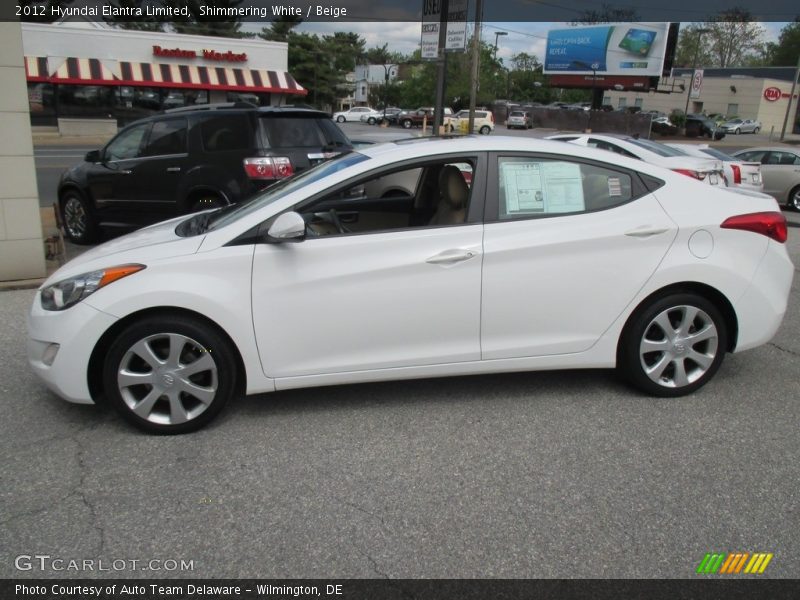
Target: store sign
[615, 49]
[207, 54]
[431, 15]
[772, 94]
[697, 84]
[456, 26]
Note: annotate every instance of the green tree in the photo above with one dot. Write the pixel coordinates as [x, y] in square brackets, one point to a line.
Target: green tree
[607, 14]
[786, 52]
[279, 29]
[731, 39]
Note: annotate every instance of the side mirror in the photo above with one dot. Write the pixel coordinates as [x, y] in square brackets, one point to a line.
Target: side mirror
[288, 227]
[93, 156]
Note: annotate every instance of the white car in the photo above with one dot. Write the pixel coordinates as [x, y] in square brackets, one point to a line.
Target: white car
[780, 170]
[483, 122]
[555, 256]
[741, 126]
[354, 114]
[738, 173]
[706, 170]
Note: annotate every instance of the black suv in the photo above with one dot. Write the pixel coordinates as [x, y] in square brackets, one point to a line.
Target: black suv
[189, 159]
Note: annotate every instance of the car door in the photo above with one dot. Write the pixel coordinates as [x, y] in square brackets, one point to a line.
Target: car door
[567, 246]
[109, 180]
[780, 171]
[389, 298]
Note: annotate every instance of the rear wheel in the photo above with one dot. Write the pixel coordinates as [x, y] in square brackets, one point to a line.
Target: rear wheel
[674, 345]
[738, 131]
[485, 130]
[371, 121]
[406, 124]
[206, 201]
[77, 217]
[793, 201]
[757, 129]
[169, 375]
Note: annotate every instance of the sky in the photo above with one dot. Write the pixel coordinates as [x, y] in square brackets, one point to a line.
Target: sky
[527, 37]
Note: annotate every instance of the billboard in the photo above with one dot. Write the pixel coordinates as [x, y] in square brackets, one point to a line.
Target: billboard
[636, 49]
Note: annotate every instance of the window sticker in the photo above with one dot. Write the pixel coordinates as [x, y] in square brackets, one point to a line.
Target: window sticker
[546, 187]
[614, 187]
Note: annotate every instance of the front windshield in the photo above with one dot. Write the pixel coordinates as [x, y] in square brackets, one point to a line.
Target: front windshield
[655, 147]
[284, 187]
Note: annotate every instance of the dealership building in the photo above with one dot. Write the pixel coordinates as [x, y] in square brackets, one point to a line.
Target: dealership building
[761, 93]
[86, 70]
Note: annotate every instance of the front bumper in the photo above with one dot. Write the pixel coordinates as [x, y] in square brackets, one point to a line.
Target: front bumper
[76, 330]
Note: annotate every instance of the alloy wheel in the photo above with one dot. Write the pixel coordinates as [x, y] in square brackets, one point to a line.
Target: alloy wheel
[167, 379]
[678, 346]
[75, 217]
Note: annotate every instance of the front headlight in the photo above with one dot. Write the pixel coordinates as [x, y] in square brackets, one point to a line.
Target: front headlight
[70, 291]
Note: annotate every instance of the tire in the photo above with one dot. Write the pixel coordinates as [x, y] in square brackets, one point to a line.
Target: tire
[756, 130]
[738, 131]
[78, 218]
[205, 202]
[672, 364]
[371, 121]
[406, 124]
[143, 382]
[793, 200]
[340, 119]
[485, 130]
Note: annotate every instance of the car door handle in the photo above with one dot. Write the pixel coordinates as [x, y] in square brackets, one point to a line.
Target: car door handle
[645, 232]
[449, 257]
[173, 169]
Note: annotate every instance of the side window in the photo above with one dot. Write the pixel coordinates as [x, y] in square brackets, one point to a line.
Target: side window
[127, 144]
[166, 137]
[754, 156]
[226, 132]
[783, 158]
[532, 187]
[430, 195]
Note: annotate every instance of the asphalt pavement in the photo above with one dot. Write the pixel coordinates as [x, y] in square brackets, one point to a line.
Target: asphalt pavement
[560, 474]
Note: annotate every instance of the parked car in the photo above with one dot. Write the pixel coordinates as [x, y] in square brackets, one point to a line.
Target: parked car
[392, 117]
[387, 115]
[780, 170]
[168, 334]
[702, 126]
[519, 119]
[738, 126]
[483, 122]
[371, 118]
[706, 170]
[738, 173]
[190, 159]
[416, 118]
[663, 126]
[354, 114]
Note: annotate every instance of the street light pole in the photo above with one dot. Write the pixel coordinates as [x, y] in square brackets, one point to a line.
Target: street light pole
[700, 33]
[386, 71]
[497, 34]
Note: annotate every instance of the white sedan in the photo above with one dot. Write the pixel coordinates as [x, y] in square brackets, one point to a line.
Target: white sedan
[704, 169]
[496, 254]
[738, 173]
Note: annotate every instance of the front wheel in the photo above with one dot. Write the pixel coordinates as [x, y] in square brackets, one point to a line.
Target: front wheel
[673, 346]
[169, 375]
[371, 121]
[793, 201]
[738, 131]
[340, 119]
[406, 124]
[78, 219]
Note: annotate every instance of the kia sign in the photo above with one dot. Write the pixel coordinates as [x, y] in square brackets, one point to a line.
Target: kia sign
[772, 94]
[614, 49]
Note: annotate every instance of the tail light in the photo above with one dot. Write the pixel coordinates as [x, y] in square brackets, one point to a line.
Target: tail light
[770, 224]
[737, 174]
[268, 167]
[491, 117]
[691, 173]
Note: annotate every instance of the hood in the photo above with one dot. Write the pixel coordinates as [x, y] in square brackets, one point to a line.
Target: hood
[151, 243]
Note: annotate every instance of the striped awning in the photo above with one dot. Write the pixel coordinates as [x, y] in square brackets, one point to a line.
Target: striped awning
[93, 71]
[214, 78]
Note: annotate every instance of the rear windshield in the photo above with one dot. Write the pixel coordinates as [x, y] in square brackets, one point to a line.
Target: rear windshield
[655, 147]
[516, 113]
[300, 131]
[717, 154]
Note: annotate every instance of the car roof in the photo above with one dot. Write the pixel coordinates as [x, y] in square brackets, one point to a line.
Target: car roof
[770, 149]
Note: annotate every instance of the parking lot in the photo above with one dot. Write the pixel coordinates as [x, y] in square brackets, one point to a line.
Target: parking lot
[562, 474]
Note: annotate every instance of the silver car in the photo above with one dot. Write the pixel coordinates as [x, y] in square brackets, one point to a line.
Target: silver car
[780, 170]
[741, 126]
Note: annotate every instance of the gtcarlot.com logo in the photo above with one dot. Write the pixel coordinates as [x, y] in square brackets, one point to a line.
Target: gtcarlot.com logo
[734, 563]
[45, 562]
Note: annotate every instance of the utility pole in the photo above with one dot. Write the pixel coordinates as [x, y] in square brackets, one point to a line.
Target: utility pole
[476, 54]
[791, 97]
[441, 69]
